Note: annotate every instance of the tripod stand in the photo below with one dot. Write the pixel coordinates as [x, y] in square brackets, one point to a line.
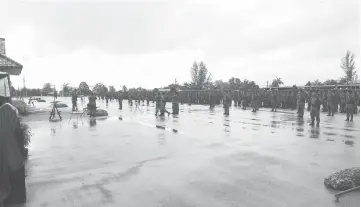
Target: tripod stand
[54, 111]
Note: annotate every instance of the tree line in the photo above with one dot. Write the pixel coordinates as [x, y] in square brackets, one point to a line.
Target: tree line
[200, 79]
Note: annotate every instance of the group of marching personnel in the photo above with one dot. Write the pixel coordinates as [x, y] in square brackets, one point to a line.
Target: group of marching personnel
[159, 99]
[314, 100]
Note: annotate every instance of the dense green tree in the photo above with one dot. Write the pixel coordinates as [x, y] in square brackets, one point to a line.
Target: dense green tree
[84, 88]
[349, 67]
[200, 77]
[100, 89]
[47, 88]
[277, 82]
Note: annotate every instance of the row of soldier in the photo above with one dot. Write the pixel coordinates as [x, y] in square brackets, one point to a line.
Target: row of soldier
[332, 100]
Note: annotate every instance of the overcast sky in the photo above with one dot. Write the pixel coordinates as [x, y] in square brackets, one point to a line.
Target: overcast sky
[150, 43]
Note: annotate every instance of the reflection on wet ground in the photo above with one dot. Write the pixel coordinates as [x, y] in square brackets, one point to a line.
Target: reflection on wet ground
[197, 158]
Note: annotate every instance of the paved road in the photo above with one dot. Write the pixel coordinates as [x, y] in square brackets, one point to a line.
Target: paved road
[246, 159]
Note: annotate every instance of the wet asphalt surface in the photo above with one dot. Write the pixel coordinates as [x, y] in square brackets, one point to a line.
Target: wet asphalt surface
[198, 158]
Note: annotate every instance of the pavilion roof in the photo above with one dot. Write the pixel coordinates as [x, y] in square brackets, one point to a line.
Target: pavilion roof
[9, 66]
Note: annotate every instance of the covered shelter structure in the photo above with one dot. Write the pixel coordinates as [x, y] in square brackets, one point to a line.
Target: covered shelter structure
[7, 67]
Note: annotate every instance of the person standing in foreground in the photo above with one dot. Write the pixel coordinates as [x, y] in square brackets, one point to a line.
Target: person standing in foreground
[330, 101]
[274, 101]
[92, 106]
[162, 107]
[350, 100]
[107, 98]
[74, 100]
[315, 109]
[158, 102]
[226, 103]
[175, 103]
[120, 100]
[301, 103]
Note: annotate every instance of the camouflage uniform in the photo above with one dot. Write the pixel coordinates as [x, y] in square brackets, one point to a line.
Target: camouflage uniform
[255, 102]
[120, 100]
[175, 103]
[226, 103]
[315, 109]
[330, 101]
[301, 103]
[350, 100]
[274, 101]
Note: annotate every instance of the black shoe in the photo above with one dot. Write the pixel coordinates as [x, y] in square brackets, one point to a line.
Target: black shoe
[328, 114]
[347, 120]
[312, 124]
[351, 120]
[318, 124]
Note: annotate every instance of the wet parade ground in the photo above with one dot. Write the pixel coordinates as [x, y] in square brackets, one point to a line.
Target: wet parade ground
[198, 158]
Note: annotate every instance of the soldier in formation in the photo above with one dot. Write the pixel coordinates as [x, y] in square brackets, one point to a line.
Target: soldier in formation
[330, 103]
[274, 101]
[158, 103]
[120, 100]
[301, 101]
[255, 102]
[315, 109]
[350, 101]
[175, 103]
[226, 103]
[163, 104]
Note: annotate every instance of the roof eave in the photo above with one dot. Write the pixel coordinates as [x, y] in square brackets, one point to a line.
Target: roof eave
[11, 70]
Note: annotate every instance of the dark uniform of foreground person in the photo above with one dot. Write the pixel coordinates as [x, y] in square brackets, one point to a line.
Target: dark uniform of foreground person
[147, 99]
[301, 100]
[158, 103]
[130, 99]
[162, 107]
[92, 106]
[350, 100]
[343, 102]
[175, 103]
[107, 98]
[315, 109]
[74, 100]
[274, 101]
[120, 100]
[226, 103]
[330, 103]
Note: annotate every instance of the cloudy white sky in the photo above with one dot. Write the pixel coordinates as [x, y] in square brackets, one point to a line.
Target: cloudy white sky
[150, 43]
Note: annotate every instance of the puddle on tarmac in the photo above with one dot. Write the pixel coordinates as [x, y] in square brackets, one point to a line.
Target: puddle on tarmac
[329, 133]
[349, 142]
[348, 136]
